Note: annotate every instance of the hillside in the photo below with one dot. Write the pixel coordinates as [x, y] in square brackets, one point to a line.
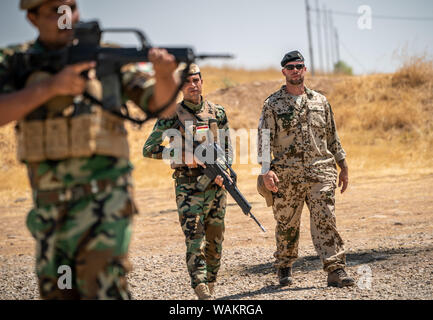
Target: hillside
[385, 121]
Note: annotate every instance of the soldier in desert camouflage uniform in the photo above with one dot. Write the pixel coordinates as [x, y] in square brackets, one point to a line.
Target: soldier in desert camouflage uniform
[305, 148]
[83, 204]
[201, 214]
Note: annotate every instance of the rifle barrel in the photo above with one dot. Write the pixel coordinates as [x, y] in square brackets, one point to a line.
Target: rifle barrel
[257, 221]
[215, 56]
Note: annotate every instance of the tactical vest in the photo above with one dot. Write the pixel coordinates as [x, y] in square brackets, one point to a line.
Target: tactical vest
[58, 130]
[203, 123]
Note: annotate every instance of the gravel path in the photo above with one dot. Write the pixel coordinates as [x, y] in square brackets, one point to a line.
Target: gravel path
[386, 224]
[395, 272]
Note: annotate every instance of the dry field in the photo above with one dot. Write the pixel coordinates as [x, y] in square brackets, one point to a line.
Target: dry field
[385, 122]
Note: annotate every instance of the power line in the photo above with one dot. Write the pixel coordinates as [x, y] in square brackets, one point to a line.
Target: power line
[319, 38]
[325, 32]
[353, 57]
[343, 13]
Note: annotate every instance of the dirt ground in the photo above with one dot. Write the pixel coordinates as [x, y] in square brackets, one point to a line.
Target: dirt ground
[385, 219]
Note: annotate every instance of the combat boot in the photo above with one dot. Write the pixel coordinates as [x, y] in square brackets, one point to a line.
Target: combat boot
[285, 276]
[339, 278]
[202, 292]
[211, 286]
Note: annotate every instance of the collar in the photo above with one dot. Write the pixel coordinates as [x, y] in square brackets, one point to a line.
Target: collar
[284, 94]
[307, 91]
[39, 46]
[194, 107]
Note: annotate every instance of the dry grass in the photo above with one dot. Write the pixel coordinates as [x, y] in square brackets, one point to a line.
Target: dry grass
[224, 78]
[385, 122]
[388, 117]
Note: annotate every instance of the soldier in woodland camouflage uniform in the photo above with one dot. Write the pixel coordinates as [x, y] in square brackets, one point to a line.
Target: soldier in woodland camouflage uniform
[305, 148]
[201, 214]
[78, 165]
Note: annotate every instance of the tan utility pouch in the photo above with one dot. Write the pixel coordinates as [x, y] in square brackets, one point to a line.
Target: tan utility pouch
[110, 135]
[30, 140]
[82, 135]
[99, 132]
[39, 140]
[264, 192]
[56, 138]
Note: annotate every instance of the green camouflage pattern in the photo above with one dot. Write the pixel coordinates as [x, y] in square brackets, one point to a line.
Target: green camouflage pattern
[52, 175]
[153, 146]
[201, 217]
[89, 234]
[201, 214]
[304, 147]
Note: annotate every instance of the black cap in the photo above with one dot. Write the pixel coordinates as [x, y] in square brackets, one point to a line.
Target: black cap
[292, 56]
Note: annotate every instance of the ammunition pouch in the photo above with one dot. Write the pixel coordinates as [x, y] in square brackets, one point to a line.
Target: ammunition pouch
[96, 133]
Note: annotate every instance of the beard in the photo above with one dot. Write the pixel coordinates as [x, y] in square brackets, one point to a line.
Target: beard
[297, 82]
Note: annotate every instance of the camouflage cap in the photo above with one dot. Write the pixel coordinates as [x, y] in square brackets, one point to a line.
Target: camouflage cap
[264, 192]
[292, 56]
[193, 69]
[30, 4]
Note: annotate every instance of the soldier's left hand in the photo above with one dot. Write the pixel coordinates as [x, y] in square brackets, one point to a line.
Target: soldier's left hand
[164, 63]
[343, 179]
[220, 180]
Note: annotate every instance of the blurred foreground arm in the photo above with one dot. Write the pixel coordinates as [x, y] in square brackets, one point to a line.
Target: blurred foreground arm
[16, 105]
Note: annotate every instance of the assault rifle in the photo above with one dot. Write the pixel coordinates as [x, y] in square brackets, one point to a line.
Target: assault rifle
[86, 46]
[215, 164]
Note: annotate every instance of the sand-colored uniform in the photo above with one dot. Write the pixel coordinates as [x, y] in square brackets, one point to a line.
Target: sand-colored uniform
[304, 147]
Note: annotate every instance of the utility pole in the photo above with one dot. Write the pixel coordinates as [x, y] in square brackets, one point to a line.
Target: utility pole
[319, 36]
[325, 28]
[337, 44]
[331, 39]
[307, 6]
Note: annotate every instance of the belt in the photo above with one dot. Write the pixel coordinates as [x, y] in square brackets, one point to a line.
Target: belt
[182, 180]
[188, 172]
[77, 192]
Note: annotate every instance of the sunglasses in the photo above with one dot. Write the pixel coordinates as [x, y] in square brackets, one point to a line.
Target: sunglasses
[293, 66]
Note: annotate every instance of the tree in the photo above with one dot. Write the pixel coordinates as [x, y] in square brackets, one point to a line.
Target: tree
[342, 67]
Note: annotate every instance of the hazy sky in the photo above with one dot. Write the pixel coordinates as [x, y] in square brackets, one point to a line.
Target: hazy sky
[258, 32]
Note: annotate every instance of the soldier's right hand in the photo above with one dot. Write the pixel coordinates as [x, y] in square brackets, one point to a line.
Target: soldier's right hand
[270, 180]
[69, 81]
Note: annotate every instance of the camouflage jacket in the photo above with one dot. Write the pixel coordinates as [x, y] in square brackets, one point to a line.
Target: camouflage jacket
[153, 146]
[50, 175]
[303, 140]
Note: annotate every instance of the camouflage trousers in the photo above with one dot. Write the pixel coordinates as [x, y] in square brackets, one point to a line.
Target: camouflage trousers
[90, 236]
[201, 216]
[287, 208]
